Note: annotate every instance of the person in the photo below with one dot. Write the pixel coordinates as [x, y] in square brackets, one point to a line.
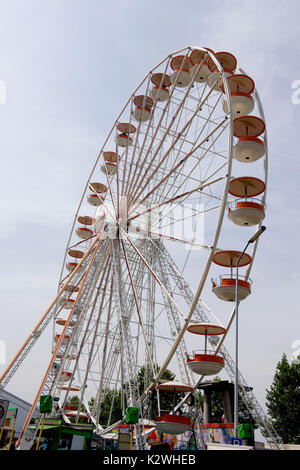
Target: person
[43, 445]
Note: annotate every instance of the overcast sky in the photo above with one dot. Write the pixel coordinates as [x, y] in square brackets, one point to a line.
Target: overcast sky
[68, 67]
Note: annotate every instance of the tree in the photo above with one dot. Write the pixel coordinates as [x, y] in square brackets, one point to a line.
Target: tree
[283, 400]
[111, 407]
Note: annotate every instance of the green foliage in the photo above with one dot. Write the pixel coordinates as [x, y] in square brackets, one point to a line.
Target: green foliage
[74, 401]
[283, 400]
[111, 408]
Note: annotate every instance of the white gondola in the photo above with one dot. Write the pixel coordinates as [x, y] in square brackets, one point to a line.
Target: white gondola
[248, 129]
[71, 265]
[173, 424]
[95, 200]
[77, 254]
[228, 62]
[84, 233]
[67, 303]
[64, 340]
[205, 362]
[97, 195]
[241, 88]
[124, 139]
[181, 66]
[224, 287]
[110, 168]
[249, 149]
[242, 104]
[246, 212]
[160, 93]
[200, 70]
[142, 112]
[65, 376]
[215, 80]
[162, 83]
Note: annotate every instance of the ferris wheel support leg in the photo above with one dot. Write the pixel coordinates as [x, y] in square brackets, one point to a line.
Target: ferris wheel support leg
[130, 373]
[174, 323]
[27, 421]
[91, 282]
[39, 328]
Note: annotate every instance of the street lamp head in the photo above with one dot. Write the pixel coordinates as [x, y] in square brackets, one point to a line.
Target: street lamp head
[257, 234]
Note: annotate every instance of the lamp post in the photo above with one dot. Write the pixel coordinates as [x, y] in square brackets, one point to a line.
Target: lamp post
[236, 384]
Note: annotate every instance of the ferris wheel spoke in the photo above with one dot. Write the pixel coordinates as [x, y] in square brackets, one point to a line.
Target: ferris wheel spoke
[152, 272]
[200, 147]
[136, 145]
[194, 141]
[135, 183]
[171, 220]
[137, 308]
[126, 339]
[166, 154]
[75, 333]
[180, 136]
[130, 178]
[175, 198]
[172, 171]
[175, 327]
[206, 151]
[176, 239]
[104, 351]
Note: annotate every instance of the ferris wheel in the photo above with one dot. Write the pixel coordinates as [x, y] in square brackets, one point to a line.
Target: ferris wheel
[124, 305]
